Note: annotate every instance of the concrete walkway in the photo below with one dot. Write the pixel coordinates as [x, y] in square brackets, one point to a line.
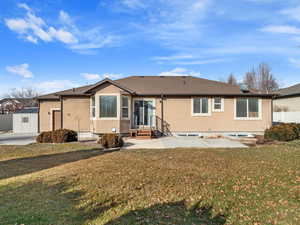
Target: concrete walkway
[17, 139]
[182, 142]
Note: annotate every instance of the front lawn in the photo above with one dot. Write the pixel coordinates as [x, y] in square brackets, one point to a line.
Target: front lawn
[78, 184]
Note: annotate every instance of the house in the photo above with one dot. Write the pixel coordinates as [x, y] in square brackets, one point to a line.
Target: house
[288, 99]
[287, 105]
[11, 105]
[169, 105]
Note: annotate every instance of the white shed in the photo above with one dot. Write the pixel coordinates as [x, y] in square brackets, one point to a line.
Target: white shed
[26, 121]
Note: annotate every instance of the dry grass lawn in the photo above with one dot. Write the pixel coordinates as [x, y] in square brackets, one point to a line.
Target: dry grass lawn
[73, 184]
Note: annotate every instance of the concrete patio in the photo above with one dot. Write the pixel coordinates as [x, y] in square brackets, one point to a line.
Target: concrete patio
[181, 142]
[17, 139]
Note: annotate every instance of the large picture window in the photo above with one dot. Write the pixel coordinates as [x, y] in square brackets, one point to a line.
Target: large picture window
[200, 106]
[125, 107]
[247, 108]
[108, 106]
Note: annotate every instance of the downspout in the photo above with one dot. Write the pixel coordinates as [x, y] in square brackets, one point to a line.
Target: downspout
[39, 106]
[162, 115]
[272, 111]
[61, 112]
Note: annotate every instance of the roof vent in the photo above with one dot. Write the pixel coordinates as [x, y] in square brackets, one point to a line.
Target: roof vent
[162, 76]
[244, 88]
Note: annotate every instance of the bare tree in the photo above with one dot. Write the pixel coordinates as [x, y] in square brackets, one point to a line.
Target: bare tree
[261, 78]
[20, 98]
[250, 79]
[281, 108]
[267, 80]
[28, 92]
[231, 79]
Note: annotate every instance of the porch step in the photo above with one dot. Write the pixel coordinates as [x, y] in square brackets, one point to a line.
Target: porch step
[144, 134]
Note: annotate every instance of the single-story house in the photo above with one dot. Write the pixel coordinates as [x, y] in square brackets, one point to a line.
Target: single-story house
[287, 105]
[288, 99]
[166, 104]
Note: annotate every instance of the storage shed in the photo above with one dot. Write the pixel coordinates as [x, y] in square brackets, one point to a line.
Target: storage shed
[26, 121]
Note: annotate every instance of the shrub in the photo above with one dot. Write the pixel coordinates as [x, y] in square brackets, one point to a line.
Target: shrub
[57, 136]
[44, 137]
[283, 132]
[111, 141]
[64, 135]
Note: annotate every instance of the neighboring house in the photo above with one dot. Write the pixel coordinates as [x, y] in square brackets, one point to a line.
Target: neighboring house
[288, 99]
[26, 120]
[11, 105]
[287, 105]
[166, 104]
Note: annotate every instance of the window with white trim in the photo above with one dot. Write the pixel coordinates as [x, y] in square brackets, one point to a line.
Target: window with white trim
[125, 107]
[93, 107]
[247, 108]
[200, 106]
[218, 104]
[108, 106]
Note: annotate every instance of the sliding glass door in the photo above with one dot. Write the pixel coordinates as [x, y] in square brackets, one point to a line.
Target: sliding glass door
[143, 115]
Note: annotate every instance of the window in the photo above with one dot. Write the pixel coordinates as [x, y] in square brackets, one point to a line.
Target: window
[108, 106]
[93, 107]
[25, 119]
[218, 105]
[125, 107]
[200, 106]
[247, 108]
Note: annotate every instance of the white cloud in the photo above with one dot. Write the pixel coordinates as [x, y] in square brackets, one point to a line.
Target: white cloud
[112, 76]
[17, 25]
[34, 29]
[94, 76]
[91, 76]
[65, 18]
[32, 39]
[186, 59]
[295, 62]
[172, 57]
[133, 4]
[55, 85]
[200, 62]
[62, 35]
[174, 23]
[179, 72]
[24, 6]
[283, 29]
[293, 13]
[22, 70]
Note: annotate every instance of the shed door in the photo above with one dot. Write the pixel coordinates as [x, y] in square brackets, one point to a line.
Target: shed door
[56, 120]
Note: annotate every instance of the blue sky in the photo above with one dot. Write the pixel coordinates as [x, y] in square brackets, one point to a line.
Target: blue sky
[58, 44]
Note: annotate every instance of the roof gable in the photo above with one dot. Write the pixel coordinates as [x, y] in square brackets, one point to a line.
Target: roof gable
[106, 80]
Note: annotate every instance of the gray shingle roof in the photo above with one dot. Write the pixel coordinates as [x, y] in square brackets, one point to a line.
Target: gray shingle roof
[292, 90]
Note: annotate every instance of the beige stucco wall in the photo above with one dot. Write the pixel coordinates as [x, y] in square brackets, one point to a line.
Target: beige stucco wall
[105, 125]
[46, 107]
[76, 113]
[292, 104]
[177, 113]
